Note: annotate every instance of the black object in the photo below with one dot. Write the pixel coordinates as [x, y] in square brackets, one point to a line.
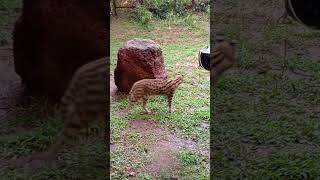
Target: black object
[204, 58]
[306, 12]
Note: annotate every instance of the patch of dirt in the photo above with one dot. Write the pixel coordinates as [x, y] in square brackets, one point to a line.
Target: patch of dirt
[114, 93]
[314, 52]
[162, 158]
[190, 63]
[161, 145]
[113, 87]
[265, 150]
[169, 36]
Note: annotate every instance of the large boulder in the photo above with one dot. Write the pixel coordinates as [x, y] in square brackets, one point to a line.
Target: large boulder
[52, 38]
[138, 59]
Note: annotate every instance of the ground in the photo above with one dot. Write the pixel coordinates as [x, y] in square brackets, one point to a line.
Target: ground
[266, 110]
[163, 145]
[30, 127]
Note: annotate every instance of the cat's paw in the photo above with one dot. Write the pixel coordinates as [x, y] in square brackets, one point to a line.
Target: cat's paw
[147, 112]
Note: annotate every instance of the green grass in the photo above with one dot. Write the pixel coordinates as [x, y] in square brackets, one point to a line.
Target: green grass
[266, 126]
[193, 166]
[180, 44]
[33, 130]
[9, 9]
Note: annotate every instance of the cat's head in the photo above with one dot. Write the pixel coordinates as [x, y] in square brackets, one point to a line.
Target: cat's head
[179, 77]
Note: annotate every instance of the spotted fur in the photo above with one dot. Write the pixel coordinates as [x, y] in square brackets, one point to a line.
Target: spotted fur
[144, 88]
[84, 101]
[223, 58]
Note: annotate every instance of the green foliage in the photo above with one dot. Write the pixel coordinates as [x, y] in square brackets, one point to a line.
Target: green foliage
[202, 6]
[162, 9]
[188, 158]
[142, 16]
[189, 21]
[159, 8]
[193, 165]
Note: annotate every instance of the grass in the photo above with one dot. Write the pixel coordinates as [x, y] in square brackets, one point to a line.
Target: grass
[192, 165]
[266, 126]
[33, 131]
[9, 9]
[180, 44]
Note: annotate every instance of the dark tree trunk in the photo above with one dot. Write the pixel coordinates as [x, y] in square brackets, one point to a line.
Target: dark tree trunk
[175, 7]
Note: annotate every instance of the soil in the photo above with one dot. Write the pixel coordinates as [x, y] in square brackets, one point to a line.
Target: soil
[162, 146]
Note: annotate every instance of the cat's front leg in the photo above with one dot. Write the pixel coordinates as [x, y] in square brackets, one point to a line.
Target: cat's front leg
[170, 102]
[145, 100]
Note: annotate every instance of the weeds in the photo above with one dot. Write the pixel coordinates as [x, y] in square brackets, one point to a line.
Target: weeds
[175, 12]
[142, 16]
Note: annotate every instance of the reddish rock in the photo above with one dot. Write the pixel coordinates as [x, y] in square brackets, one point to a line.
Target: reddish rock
[52, 38]
[138, 59]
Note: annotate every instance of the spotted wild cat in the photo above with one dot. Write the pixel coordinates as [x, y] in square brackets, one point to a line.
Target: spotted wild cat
[144, 88]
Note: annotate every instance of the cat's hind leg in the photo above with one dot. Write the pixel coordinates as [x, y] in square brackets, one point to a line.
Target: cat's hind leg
[145, 100]
[170, 102]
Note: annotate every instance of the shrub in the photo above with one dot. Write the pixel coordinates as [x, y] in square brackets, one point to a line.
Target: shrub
[142, 15]
[159, 8]
[202, 6]
[163, 9]
[189, 21]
